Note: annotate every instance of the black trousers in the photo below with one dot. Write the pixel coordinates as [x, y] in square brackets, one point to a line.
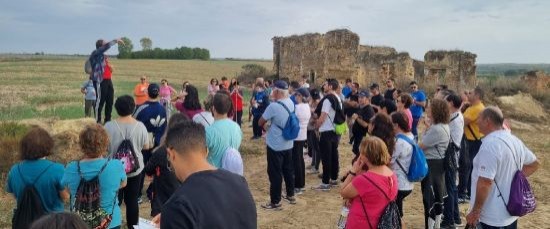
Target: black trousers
[401, 194]
[433, 189]
[106, 97]
[279, 167]
[129, 195]
[328, 145]
[357, 138]
[313, 148]
[256, 129]
[451, 214]
[473, 149]
[238, 117]
[464, 168]
[146, 156]
[299, 164]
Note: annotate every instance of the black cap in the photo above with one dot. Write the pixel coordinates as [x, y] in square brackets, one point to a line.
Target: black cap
[374, 86]
[153, 90]
[314, 93]
[364, 94]
[303, 91]
[280, 84]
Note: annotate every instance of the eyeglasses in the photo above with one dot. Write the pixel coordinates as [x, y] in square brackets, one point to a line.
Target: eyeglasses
[142, 78]
[414, 87]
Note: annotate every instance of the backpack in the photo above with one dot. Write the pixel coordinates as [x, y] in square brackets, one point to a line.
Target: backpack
[88, 69]
[450, 158]
[232, 161]
[522, 198]
[339, 121]
[418, 169]
[29, 204]
[292, 126]
[87, 201]
[126, 153]
[390, 218]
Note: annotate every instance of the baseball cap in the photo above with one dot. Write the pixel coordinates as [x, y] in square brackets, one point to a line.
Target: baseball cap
[364, 94]
[280, 84]
[314, 94]
[303, 91]
[374, 86]
[153, 90]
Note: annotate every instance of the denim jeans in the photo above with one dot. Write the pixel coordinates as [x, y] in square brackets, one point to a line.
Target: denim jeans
[451, 214]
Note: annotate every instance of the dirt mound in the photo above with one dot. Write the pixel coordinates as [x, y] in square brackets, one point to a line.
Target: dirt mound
[522, 106]
[65, 133]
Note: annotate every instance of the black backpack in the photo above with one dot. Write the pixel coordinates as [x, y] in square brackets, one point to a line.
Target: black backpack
[29, 204]
[450, 158]
[340, 116]
[390, 218]
[87, 202]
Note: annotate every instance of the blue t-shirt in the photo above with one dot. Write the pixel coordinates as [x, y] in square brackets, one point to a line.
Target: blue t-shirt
[48, 185]
[90, 90]
[153, 116]
[346, 91]
[416, 110]
[278, 116]
[109, 183]
[219, 136]
[262, 99]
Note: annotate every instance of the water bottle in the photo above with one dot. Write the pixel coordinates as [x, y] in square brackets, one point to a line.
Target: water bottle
[343, 218]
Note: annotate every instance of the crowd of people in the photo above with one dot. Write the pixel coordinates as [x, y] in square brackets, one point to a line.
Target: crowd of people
[191, 150]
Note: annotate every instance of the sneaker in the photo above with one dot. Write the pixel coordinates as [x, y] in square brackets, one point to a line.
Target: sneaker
[321, 187]
[333, 183]
[290, 199]
[140, 200]
[463, 200]
[299, 191]
[312, 171]
[272, 206]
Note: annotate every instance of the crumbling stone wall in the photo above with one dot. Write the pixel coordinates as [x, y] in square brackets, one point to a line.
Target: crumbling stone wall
[457, 69]
[537, 80]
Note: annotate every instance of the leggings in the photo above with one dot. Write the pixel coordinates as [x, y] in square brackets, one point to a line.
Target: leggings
[129, 195]
[401, 194]
[433, 189]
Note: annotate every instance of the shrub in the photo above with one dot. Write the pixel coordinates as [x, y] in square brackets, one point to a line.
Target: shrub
[10, 135]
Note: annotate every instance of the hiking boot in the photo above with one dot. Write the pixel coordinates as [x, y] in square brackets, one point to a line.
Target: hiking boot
[272, 206]
[290, 199]
[321, 187]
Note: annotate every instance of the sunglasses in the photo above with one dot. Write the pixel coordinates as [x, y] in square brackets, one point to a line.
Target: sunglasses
[142, 78]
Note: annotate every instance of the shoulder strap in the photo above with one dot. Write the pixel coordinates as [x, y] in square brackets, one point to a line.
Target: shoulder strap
[401, 166]
[204, 118]
[286, 108]
[37, 178]
[408, 140]
[515, 162]
[454, 118]
[365, 211]
[120, 130]
[100, 170]
[472, 131]
[378, 187]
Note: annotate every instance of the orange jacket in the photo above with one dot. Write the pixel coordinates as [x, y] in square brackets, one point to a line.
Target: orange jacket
[140, 92]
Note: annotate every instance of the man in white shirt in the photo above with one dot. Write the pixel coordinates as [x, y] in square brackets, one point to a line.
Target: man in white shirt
[497, 161]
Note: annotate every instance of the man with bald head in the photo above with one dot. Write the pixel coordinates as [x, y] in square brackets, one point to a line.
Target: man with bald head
[500, 156]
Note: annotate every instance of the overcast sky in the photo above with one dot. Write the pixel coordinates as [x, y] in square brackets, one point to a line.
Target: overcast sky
[497, 31]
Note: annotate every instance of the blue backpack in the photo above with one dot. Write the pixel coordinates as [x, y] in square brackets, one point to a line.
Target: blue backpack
[419, 167]
[292, 126]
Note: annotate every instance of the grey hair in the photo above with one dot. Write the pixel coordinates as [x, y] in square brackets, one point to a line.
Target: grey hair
[494, 114]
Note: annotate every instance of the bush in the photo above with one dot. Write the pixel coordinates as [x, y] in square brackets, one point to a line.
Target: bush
[250, 72]
[10, 135]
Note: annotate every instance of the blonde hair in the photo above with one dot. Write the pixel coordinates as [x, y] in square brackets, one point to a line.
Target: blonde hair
[375, 150]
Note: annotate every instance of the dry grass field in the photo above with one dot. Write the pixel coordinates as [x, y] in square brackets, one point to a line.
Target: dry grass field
[41, 92]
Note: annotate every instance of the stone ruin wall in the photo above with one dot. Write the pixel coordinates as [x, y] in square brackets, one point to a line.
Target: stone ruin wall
[537, 80]
[457, 69]
[338, 54]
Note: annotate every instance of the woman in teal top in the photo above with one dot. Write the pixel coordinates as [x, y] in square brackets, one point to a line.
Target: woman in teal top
[35, 169]
[94, 142]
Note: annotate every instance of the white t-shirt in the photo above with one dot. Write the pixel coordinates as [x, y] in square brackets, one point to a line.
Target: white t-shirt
[403, 152]
[497, 162]
[328, 124]
[456, 126]
[204, 118]
[303, 113]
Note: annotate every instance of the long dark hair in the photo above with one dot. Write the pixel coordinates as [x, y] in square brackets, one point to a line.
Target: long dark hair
[383, 128]
[191, 101]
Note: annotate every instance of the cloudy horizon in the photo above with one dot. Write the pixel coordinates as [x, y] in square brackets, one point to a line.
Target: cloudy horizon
[497, 31]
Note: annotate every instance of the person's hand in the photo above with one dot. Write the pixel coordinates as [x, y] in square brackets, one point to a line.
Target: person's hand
[357, 166]
[473, 218]
[354, 116]
[120, 41]
[156, 220]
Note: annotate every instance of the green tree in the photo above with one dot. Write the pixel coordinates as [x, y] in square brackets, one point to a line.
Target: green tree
[146, 43]
[125, 51]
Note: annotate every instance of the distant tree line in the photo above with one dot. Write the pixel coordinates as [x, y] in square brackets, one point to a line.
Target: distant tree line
[183, 53]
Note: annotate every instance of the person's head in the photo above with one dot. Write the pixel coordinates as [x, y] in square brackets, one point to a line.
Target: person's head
[261, 81]
[364, 98]
[404, 101]
[387, 107]
[208, 103]
[349, 82]
[301, 95]
[36, 144]
[224, 78]
[390, 82]
[184, 85]
[314, 93]
[143, 79]
[153, 91]
[233, 81]
[400, 122]
[396, 94]
[99, 43]
[191, 101]
[439, 112]
[214, 82]
[125, 105]
[221, 104]
[174, 119]
[267, 83]
[490, 119]
[374, 89]
[59, 220]
[93, 141]
[331, 85]
[186, 146]
[441, 87]
[280, 90]
[477, 95]
[294, 85]
[413, 86]
[442, 94]
[381, 126]
[374, 152]
[355, 87]
[164, 82]
[454, 102]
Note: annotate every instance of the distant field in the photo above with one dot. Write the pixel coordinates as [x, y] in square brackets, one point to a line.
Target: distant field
[50, 87]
